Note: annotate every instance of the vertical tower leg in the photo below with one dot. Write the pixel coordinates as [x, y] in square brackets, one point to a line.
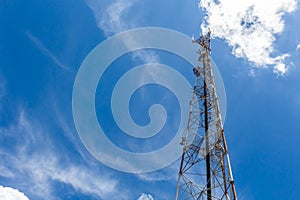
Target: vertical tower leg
[208, 178]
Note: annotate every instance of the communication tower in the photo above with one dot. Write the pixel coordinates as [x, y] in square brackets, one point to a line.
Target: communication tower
[205, 172]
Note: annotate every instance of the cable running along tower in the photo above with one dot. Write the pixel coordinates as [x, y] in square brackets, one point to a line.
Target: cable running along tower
[205, 171]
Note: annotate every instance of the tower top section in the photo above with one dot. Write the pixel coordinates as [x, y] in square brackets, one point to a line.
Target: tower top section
[204, 40]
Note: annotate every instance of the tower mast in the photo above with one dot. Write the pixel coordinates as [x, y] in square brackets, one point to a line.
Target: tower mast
[205, 171]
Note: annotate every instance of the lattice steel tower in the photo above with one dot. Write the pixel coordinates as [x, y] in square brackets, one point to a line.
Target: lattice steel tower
[205, 171]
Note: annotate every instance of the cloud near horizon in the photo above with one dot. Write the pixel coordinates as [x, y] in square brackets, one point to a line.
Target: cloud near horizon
[250, 28]
[146, 197]
[8, 193]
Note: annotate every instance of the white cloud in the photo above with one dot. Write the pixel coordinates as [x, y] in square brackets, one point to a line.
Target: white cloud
[111, 20]
[250, 28]
[169, 173]
[69, 131]
[44, 50]
[42, 170]
[146, 197]
[146, 56]
[35, 160]
[8, 193]
[298, 47]
[5, 172]
[155, 176]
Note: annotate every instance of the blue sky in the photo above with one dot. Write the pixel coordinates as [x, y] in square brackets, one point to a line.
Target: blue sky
[42, 46]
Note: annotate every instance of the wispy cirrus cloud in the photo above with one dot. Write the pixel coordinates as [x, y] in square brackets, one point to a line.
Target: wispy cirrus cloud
[250, 28]
[113, 18]
[33, 160]
[45, 50]
[168, 174]
[8, 193]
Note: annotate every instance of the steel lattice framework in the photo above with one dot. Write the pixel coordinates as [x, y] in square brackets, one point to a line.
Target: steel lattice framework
[205, 171]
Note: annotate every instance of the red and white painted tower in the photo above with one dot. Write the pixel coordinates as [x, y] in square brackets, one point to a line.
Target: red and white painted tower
[205, 172]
